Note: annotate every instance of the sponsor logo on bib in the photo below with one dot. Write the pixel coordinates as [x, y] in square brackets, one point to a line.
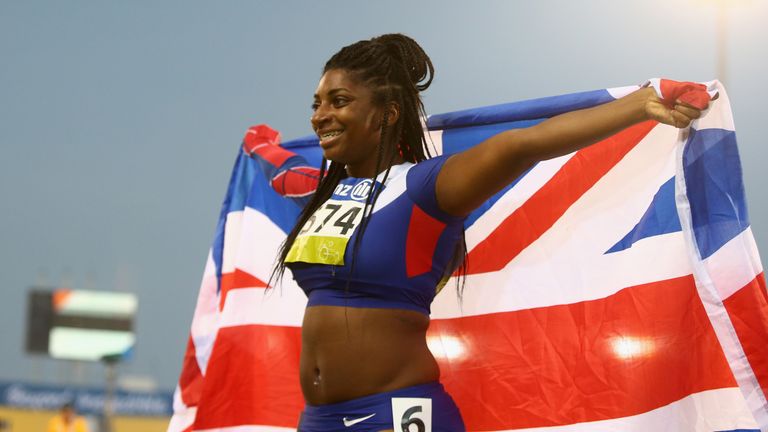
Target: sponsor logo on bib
[361, 190]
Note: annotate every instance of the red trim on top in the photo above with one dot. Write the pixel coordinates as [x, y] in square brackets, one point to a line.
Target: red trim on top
[423, 233]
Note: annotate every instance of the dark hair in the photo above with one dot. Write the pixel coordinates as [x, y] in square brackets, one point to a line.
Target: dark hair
[396, 69]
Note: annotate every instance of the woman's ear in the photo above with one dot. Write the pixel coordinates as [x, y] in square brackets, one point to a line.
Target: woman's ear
[393, 113]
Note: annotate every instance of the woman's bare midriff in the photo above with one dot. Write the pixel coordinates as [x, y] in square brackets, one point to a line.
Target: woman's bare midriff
[349, 352]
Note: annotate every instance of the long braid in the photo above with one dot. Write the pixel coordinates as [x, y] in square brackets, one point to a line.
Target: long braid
[396, 69]
[327, 182]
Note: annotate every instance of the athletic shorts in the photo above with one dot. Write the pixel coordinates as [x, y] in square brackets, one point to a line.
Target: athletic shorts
[421, 408]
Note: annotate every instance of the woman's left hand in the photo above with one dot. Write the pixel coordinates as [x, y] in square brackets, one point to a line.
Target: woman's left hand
[679, 115]
[676, 103]
[469, 178]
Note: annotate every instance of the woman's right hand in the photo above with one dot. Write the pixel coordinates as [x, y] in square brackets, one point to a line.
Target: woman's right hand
[259, 136]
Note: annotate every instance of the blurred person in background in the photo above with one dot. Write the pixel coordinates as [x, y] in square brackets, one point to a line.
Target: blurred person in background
[67, 420]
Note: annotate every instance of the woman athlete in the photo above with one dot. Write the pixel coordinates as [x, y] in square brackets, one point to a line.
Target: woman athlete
[384, 226]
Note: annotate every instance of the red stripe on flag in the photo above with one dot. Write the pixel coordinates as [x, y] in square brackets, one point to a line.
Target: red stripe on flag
[190, 380]
[639, 349]
[252, 378]
[237, 279]
[526, 224]
[748, 311]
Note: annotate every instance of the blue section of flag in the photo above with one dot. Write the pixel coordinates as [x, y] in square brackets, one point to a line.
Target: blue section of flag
[311, 153]
[458, 140]
[516, 111]
[309, 142]
[715, 190]
[265, 200]
[239, 186]
[234, 189]
[660, 218]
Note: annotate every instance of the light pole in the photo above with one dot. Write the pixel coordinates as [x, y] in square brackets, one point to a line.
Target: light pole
[110, 362]
[722, 43]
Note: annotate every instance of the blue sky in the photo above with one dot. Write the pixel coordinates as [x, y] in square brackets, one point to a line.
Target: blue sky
[120, 121]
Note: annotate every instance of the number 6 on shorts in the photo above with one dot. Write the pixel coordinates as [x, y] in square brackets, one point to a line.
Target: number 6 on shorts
[412, 414]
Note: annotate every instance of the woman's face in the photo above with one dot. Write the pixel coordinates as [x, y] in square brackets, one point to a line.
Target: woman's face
[347, 122]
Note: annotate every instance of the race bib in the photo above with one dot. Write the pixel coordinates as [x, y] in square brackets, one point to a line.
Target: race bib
[412, 414]
[324, 237]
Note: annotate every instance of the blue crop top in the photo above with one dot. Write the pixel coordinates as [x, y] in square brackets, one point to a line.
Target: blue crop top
[407, 246]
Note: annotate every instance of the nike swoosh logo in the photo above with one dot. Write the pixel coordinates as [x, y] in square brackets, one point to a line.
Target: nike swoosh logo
[348, 422]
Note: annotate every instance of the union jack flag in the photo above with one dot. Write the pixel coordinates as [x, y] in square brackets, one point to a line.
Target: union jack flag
[615, 288]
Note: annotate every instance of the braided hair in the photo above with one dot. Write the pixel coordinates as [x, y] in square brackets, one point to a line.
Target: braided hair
[395, 68]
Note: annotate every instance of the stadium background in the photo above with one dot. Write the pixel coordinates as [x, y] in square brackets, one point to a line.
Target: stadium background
[120, 122]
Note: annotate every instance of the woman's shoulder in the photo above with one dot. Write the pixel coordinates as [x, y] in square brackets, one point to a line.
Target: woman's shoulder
[421, 181]
[426, 171]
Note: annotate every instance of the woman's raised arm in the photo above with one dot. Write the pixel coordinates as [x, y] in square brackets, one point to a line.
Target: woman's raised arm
[287, 173]
[471, 177]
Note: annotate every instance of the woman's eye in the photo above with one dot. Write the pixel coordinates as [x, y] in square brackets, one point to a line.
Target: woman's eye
[339, 101]
[315, 106]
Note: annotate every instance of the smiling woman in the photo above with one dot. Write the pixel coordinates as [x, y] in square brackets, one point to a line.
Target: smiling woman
[348, 122]
[383, 228]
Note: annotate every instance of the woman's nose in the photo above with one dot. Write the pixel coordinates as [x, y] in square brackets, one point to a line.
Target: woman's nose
[319, 116]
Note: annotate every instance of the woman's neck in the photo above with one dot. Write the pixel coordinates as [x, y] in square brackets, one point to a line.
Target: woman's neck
[368, 171]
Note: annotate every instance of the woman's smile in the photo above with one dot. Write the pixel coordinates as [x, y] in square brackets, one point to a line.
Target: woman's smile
[328, 138]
